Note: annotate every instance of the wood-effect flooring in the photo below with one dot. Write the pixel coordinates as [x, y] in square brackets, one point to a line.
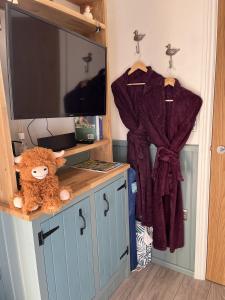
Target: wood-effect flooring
[158, 283]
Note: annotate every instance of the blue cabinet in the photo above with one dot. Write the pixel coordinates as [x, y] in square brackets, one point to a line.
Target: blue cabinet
[111, 229]
[78, 254]
[68, 254]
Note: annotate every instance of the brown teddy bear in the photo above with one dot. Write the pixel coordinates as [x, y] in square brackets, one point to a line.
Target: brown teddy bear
[40, 185]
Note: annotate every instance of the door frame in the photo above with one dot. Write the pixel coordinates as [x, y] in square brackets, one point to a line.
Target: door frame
[205, 133]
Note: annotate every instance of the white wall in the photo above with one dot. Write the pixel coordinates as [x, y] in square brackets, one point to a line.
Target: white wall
[190, 25]
[178, 22]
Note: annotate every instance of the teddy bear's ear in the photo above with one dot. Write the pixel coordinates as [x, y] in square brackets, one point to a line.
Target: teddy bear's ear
[59, 154]
[18, 159]
[60, 162]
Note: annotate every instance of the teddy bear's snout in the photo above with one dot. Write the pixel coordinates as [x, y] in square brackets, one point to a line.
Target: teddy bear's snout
[40, 172]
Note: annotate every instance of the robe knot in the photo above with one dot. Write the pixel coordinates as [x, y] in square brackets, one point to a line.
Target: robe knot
[166, 170]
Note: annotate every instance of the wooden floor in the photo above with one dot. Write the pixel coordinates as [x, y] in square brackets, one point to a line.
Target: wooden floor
[158, 283]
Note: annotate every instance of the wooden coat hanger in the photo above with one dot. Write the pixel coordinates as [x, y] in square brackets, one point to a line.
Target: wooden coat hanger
[138, 65]
[169, 81]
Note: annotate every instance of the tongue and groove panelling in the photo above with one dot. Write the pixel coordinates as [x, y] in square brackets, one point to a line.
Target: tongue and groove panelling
[183, 259]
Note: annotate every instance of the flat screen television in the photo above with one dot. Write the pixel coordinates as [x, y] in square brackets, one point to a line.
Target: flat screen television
[52, 72]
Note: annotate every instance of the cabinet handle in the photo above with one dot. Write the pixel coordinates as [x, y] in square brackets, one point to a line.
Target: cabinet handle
[124, 186]
[107, 202]
[83, 218]
[42, 236]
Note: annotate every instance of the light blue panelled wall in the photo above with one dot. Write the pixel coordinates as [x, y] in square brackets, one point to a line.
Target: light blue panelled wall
[183, 259]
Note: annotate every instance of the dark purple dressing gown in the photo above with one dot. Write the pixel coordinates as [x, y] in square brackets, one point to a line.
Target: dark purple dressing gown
[166, 125]
[128, 100]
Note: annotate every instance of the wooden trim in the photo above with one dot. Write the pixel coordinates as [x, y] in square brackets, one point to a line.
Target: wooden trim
[78, 181]
[106, 153]
[7, 172]
[205, 134]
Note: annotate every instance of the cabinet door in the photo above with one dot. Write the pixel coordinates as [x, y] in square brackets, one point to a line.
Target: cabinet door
[2, 290]
[68, 254]
[111, 229]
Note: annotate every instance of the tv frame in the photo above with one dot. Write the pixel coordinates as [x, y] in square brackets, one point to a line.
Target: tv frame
[9, 67]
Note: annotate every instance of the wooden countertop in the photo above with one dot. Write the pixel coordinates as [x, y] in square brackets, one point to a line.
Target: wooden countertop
[78, 181]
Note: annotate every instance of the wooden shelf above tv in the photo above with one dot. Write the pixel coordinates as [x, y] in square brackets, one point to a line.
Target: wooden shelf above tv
[85, 147]
[59, 15]
[97, 7]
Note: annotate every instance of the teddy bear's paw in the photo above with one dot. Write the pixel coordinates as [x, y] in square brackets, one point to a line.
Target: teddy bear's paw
[34, 208]
[64, 195]
[18, 202]
[51, 206]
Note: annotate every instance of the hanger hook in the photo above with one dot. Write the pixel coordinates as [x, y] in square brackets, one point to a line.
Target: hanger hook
[171, 52]
[137, 38]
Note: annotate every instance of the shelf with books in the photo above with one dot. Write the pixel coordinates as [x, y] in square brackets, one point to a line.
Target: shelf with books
[85, 147]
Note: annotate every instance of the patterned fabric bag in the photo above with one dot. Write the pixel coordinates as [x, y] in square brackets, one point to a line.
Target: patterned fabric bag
[144, 245]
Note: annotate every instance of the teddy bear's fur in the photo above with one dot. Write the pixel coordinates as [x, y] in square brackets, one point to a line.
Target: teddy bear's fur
[40, 185]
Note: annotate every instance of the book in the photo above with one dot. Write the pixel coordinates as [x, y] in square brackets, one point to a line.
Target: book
[97, 165]
[85, 128]
[88, 128]
[100, 118]
[97, 129]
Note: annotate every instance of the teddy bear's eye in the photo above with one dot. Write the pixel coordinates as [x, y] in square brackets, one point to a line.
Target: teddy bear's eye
[45, 169]
[34, 171]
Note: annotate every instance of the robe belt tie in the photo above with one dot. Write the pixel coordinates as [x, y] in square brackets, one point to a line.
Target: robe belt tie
[166, 169]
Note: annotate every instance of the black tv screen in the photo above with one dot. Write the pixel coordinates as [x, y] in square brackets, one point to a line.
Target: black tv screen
[52, 72]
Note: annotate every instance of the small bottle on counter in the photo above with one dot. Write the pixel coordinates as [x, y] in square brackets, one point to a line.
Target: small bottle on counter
[21, 137]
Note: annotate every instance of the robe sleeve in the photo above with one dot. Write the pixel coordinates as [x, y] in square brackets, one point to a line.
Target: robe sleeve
[124, 105]
[194, 104]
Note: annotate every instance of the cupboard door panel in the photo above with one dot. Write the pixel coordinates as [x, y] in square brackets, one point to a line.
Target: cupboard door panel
[68, 254]
[2, 291]
[103, 233]
[120, 215]
[79, 251]
[111, 229]
[55, 259]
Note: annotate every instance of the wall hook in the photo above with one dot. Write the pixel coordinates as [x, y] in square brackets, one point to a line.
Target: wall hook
[137, 38]
[171, 52]
[87, 59]
[98, 27]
